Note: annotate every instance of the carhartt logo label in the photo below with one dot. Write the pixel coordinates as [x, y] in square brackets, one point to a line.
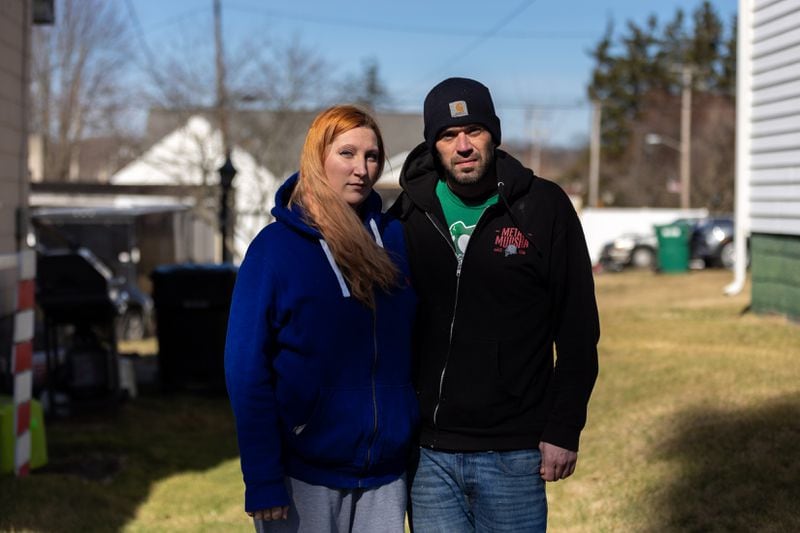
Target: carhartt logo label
[510, 241]
[458, 109]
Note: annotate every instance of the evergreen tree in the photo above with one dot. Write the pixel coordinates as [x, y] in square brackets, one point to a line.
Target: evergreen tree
[637, 78]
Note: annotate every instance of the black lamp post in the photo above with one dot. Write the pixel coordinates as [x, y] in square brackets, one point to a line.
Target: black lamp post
[226, 173]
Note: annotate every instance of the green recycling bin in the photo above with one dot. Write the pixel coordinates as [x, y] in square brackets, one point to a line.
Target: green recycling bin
[673, 247]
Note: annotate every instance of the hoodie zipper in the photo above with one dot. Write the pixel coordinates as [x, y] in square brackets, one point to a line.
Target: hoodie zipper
[459, 266]
[367, 462]
[459, 261]
[374, 389]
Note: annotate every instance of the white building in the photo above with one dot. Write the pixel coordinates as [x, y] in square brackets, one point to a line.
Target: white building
[768, 153]
[191, 155]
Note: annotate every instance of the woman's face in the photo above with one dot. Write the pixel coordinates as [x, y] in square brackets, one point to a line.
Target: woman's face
[351, 164]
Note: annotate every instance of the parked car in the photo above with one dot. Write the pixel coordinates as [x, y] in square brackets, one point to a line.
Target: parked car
[710, 245]
[630, 250]
[712, 242]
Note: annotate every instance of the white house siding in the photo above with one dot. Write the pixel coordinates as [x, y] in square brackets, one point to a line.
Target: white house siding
[14, 29]
[768, 180]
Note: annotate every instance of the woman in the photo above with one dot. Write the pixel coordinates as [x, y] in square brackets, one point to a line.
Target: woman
[317, 358]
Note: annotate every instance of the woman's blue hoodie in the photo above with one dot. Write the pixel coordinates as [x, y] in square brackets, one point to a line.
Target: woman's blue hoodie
[319, 383]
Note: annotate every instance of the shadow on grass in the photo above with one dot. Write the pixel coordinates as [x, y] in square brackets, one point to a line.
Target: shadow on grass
[737, 470]
[103, 465]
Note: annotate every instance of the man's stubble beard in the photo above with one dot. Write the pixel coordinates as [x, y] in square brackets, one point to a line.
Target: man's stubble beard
[473, 186]
[473, 178]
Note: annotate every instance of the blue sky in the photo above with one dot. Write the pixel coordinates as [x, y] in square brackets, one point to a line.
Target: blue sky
[531, 54]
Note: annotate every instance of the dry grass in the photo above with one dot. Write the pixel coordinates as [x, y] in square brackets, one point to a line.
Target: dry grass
[159, 463]
[694, 426]
[144, 347]
[695, 419]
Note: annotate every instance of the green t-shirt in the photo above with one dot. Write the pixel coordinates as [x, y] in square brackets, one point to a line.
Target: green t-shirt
[461, 218]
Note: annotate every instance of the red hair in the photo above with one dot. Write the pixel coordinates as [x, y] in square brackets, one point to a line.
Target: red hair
[363, 263]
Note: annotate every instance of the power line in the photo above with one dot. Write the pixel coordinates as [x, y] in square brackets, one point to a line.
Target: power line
[149, 57]
[481, 38]
[490, 33]
[137, 25]
[404, 28]
[499, 103]
[544, 107]
[180, 17]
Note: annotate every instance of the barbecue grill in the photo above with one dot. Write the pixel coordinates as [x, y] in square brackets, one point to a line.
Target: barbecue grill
[80, 301]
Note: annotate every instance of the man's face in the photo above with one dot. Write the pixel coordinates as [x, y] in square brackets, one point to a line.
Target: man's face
[466, 152]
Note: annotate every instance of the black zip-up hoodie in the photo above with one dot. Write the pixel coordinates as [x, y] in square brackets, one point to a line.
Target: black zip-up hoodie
[486, 376]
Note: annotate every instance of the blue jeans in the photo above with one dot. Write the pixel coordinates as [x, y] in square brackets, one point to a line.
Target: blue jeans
[478, 492]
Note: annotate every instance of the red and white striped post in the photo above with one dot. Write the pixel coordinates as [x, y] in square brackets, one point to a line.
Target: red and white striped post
[22, 360]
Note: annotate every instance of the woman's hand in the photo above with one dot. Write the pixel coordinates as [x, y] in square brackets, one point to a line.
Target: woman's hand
[274, 513]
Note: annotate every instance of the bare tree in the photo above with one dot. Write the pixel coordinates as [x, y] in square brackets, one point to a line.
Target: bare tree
[367, 88]
[271, 91]
[77, 79]
[644, 178]
[285, 79]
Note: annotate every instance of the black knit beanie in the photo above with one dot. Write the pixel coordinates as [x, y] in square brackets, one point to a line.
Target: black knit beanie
[456, 102]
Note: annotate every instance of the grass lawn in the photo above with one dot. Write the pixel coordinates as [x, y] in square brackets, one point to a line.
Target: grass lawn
[694, 426]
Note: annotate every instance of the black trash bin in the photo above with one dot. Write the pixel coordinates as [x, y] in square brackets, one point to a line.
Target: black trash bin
[192, 304]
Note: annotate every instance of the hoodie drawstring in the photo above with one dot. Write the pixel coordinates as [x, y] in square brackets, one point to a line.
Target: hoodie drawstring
[374, 227]
[335, 268]
[339, 277]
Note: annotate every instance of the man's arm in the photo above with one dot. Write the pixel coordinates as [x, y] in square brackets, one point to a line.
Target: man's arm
[576, 332]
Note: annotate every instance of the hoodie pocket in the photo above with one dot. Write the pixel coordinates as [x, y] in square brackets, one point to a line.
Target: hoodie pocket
[472, 391]
[338, 429]
[398, 421]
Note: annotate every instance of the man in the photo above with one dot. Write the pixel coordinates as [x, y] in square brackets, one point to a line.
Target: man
[499, 261]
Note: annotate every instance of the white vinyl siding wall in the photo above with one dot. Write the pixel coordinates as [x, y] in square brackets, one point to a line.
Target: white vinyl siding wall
[774, 137]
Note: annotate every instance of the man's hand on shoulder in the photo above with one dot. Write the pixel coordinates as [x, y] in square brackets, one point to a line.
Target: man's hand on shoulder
[557, 463]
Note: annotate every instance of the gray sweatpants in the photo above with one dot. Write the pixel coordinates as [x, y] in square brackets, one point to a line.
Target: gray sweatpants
[318, 509]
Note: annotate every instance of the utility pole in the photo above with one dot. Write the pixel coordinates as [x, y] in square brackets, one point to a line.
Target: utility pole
[222, 96]
[227, 171]
[686, 133]
[594, 155]
[535, 159]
